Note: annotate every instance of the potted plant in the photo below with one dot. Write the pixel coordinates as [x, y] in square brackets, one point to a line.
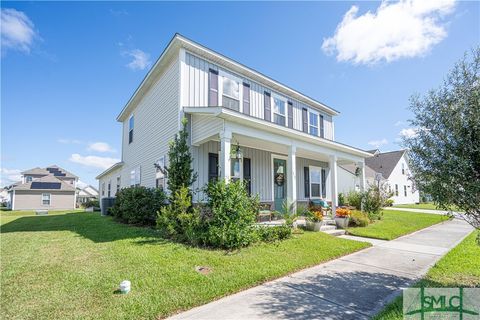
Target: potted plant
[342, 217]
[314, 220]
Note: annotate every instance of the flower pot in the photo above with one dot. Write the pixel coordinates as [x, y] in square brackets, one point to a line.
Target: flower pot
[314, 226]
[342, 222]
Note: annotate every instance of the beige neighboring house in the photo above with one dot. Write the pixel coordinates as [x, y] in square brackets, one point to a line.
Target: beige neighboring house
[50, 188]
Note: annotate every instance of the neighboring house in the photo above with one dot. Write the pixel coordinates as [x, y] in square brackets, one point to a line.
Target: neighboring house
[86, 194]
[4, 196]
[51, 188]
[391, 168]
[284, 140]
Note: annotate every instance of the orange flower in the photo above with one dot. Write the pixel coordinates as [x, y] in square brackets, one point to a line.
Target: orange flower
[342, 212]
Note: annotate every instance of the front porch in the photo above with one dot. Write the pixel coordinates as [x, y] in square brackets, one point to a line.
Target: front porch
[278, 166]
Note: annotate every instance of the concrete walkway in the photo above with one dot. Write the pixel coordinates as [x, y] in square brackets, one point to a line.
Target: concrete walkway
[356, 286]
[422, 210]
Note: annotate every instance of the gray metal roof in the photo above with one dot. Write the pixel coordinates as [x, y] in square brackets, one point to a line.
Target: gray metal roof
[384, 163]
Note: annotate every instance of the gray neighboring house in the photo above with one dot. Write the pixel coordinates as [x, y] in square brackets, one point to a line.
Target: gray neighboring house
[50, 188]
[86, 194]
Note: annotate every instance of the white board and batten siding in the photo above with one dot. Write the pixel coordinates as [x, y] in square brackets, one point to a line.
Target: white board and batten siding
[261, 170]
[155, 124]
[195, 94]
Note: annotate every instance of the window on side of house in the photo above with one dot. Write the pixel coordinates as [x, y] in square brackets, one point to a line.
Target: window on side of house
[315, 182]
[405, 190]
[135, 177]
[131, 124]
[279, 110]
[230, 91]
[109, 190]
[160, 173]
[118, 184]
[313, 123]
[396, 190]
[29, 179]
[46, 197]
[403, 168]
[103, 188]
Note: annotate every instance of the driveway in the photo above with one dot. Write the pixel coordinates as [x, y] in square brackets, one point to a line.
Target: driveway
[356, 286]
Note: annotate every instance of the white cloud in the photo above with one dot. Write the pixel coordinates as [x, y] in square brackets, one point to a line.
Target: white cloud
[93, 161]
[408, 133]
[100, 147]
[399, 123]
[17, 30]
[8, 176]
[403, 29]
[378, 143]
[141, 60]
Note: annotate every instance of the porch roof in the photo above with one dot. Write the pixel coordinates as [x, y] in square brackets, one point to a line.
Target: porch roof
[237, 117]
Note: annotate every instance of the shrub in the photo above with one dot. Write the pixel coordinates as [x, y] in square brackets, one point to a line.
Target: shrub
[180, 220]
[91, 203]
[341, 199]
[232, 215]
[358, 219]
[138, 205]
[388, 202]
[373, 201]
[277, 233]
[354, 199]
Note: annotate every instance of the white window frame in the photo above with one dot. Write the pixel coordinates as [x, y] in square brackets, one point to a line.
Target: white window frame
[49, 199]
[274, 96]
[132, 128]
[223, 74]
[134, 174]
[318, 122]
[160, 162]
[310, 170]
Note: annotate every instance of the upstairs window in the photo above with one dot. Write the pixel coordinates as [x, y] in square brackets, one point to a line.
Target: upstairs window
[403, 168]
[46, 199]
[130, 129]
[313, 123]
[135, 177]
[279, 111]
[118, 184]
[29, 178]
[230, 92]
[160, 173]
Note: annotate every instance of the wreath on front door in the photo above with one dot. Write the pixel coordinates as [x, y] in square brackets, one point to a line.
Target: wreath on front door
[279, 179]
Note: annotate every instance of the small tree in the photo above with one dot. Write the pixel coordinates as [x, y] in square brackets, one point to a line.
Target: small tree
[445, 149]
[179, 171]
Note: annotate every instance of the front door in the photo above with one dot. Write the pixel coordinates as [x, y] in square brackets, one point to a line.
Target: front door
[279, 183]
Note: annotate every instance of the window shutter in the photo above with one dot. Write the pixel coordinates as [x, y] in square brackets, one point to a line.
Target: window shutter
[212, 87]
[212, 167]
[246, 98]
[266, 106]
[247, 175]
[306, 175]
[290, 114]
[322, 127]
[305, 119]
[324, 183]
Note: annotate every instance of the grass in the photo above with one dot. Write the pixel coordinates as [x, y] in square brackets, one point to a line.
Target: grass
[426, 205]
[397, 223]
[459, 268]
[70, 265]
[22, 213]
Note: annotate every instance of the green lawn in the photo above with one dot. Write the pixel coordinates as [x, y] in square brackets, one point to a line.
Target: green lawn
[69, 266]
[459, 268]
[426, 205]
[397, 223]
[21, 213]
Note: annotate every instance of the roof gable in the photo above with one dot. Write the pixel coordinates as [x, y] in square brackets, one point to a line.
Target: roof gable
[384, 163]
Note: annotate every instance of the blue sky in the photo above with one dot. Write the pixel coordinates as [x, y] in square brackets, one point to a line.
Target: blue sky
[69, 68]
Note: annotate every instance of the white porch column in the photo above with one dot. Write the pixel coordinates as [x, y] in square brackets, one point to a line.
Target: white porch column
[361, 165]
[224, 161]
[292, 177]
[333, 182]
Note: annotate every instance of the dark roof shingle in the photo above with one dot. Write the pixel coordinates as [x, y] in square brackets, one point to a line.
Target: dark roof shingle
[384, 163]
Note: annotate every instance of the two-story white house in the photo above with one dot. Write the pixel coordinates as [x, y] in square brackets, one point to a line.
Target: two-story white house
[243, 125]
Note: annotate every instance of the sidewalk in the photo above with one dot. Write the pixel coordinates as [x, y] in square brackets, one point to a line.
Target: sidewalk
[423, 211]
[356, 286]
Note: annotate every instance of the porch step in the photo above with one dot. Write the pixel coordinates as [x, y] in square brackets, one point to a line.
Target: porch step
[335, 232]
[328, 221]
[327, 228]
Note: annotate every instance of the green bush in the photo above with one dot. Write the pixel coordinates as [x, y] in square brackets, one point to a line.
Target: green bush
[138, 205]
[91, 203]
[358, 219]
[354, 199]
[341, 199]
[373, 200]
[230, 223]
[388, 203]
[180, 220]
[277, 233]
